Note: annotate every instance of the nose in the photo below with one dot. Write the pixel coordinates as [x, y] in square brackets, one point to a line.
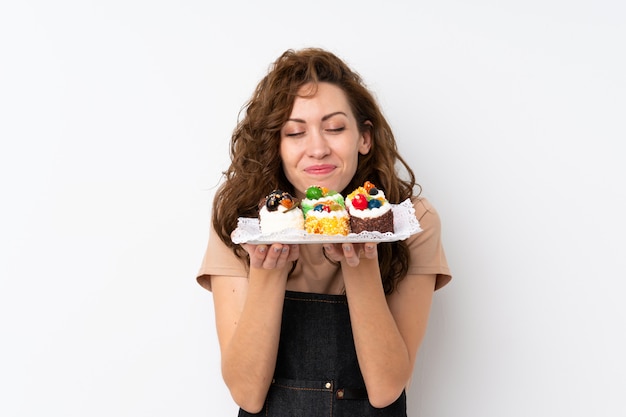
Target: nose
[317, 145]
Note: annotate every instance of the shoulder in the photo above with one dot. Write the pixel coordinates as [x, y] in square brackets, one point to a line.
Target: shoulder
[219, 259]
[426, 213]
[426, 247]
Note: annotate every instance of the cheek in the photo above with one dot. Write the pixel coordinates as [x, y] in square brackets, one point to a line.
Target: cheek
[286, 154]
[289, 159]
[351, 154]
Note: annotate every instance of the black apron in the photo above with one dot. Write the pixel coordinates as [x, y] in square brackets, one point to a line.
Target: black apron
[317, 372]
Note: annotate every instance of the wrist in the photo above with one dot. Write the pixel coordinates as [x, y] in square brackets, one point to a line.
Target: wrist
[267, 275]
[367, 271]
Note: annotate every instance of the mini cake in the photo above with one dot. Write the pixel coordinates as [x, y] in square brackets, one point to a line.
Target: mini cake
[369, 210]
[325, 212]
[279, 211]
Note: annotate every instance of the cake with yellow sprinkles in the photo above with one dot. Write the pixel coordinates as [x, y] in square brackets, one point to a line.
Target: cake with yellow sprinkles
[369, 210]
[325, 212]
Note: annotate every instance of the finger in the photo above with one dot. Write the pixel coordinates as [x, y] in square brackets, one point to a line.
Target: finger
[350, 254]
[294, 253]
[257, 254]
[283, 256]
[370, 250]
[333, 253]
[276, 256]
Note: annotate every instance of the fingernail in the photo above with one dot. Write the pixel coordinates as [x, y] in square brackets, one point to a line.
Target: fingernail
[262, 249]
[347, 248]
[285, 249]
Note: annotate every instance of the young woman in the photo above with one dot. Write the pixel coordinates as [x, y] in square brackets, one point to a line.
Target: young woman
[333, 329]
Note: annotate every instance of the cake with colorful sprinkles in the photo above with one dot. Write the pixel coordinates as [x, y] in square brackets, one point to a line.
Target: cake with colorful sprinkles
[325, 212]
[369, 210]
[279, 211]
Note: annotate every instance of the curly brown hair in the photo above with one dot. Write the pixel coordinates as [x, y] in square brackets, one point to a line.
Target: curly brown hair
[256, 163]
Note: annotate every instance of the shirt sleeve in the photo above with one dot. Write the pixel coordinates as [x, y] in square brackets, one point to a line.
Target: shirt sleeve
[219, 259]
[427, 254]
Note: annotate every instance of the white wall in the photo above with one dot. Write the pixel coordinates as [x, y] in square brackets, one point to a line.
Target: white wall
[114, 123]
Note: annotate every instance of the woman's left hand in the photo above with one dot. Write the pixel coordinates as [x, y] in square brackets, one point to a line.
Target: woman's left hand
[351, 253]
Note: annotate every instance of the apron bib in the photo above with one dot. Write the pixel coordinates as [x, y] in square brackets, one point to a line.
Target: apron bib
[317, 372]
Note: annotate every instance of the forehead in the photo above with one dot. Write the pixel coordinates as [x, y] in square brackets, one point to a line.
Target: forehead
[325, 95]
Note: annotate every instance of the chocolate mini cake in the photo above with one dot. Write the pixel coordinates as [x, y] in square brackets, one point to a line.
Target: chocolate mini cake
[369, 210]
[382, 223]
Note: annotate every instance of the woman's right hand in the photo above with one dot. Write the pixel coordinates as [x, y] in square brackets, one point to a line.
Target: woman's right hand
[274, 256]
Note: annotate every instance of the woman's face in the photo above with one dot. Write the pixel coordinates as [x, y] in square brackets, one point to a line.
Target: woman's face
[320, 143]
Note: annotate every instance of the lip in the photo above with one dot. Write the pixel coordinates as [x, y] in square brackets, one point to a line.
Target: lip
[323, 169]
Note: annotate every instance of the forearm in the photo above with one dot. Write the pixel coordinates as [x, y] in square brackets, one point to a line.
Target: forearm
[383, 355]
[249, 359]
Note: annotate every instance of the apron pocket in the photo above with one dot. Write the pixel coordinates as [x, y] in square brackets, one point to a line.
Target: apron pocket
[288, 397]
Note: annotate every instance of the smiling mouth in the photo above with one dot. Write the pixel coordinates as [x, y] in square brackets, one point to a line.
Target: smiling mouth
[319, 169]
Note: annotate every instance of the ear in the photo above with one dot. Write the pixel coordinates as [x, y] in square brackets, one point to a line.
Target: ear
[366, 138]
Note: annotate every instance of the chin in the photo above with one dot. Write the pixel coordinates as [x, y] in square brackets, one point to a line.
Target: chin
[331, 183]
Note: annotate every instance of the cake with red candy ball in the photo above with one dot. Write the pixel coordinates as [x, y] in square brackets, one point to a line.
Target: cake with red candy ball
[369, 210]
[279, 211]
[325, 212]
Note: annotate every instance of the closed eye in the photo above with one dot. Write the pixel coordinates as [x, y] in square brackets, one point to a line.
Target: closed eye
[337, 130]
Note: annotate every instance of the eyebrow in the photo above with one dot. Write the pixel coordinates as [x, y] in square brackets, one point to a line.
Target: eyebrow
[328, 116]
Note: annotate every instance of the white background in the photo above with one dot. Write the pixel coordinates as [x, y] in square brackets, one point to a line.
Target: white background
[114, 122]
